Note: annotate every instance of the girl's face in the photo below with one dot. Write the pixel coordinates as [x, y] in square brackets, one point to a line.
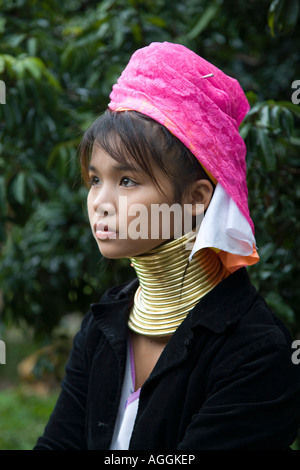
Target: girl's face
[121, 207]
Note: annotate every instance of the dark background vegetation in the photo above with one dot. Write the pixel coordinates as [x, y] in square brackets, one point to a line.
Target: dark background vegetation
[59, 60]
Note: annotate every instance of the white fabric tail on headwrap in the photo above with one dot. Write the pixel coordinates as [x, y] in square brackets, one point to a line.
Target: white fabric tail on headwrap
[224, 227]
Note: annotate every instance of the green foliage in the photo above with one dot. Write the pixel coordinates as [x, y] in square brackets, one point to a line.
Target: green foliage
[23, 417]
[274, 177]
[283, 16]
[59, 61]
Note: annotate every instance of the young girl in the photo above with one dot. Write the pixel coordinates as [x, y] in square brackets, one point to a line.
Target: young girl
[187, 356]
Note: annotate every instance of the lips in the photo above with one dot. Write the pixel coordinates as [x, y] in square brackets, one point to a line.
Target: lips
[103, 232]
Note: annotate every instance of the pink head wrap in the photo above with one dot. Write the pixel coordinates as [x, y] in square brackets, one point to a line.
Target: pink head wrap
[165, 82]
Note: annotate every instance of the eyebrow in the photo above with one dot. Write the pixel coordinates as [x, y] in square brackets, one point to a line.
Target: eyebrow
[118, 167]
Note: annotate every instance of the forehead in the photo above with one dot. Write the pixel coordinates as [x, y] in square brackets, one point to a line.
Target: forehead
[117, 161]
[129, 140]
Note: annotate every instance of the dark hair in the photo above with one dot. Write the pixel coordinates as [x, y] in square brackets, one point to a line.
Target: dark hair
[129, 136]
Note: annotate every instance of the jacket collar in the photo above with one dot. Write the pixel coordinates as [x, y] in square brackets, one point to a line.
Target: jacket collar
[226, 303]
[217, 310]
[112, 311]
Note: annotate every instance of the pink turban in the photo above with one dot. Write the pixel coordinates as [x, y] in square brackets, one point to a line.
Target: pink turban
[166, 82]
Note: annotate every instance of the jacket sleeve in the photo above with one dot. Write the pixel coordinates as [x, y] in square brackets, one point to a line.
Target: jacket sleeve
[66, 427]
[252, 405]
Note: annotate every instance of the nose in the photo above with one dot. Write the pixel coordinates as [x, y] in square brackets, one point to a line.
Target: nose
[103, 203]
[105, 209]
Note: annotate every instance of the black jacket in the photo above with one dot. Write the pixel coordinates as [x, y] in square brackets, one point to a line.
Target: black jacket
[224, 381]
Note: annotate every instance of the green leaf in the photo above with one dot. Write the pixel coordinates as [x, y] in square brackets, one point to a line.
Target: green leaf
[9, 62]
[2, 197]
[157, 21]
[19, 68]
[2, 24]
[8, 116]
[203, 21]
[286, 121]
[283, 16]
[18, 188]
[264, 116]
[40, 180]
[244, 129]
[278, 305]
[34, 66]
[251, 97]
[272, 15]
[267, 151]
[2, 64]
[275, 112]
[16, 39]
[295, 109]
[32, 46]
[295, 141]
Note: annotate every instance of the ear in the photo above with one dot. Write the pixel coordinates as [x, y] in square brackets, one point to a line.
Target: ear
[199, 196]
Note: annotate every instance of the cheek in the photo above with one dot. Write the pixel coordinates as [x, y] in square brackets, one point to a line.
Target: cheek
[151, 218]
[90, 207]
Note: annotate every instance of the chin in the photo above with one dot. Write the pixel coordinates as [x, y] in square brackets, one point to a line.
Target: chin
[117, 249]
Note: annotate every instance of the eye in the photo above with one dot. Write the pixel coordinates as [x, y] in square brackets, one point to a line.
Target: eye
[127, 182]
[94, 180]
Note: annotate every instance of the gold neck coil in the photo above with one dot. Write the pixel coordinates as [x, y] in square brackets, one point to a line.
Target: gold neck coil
[170, 286]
